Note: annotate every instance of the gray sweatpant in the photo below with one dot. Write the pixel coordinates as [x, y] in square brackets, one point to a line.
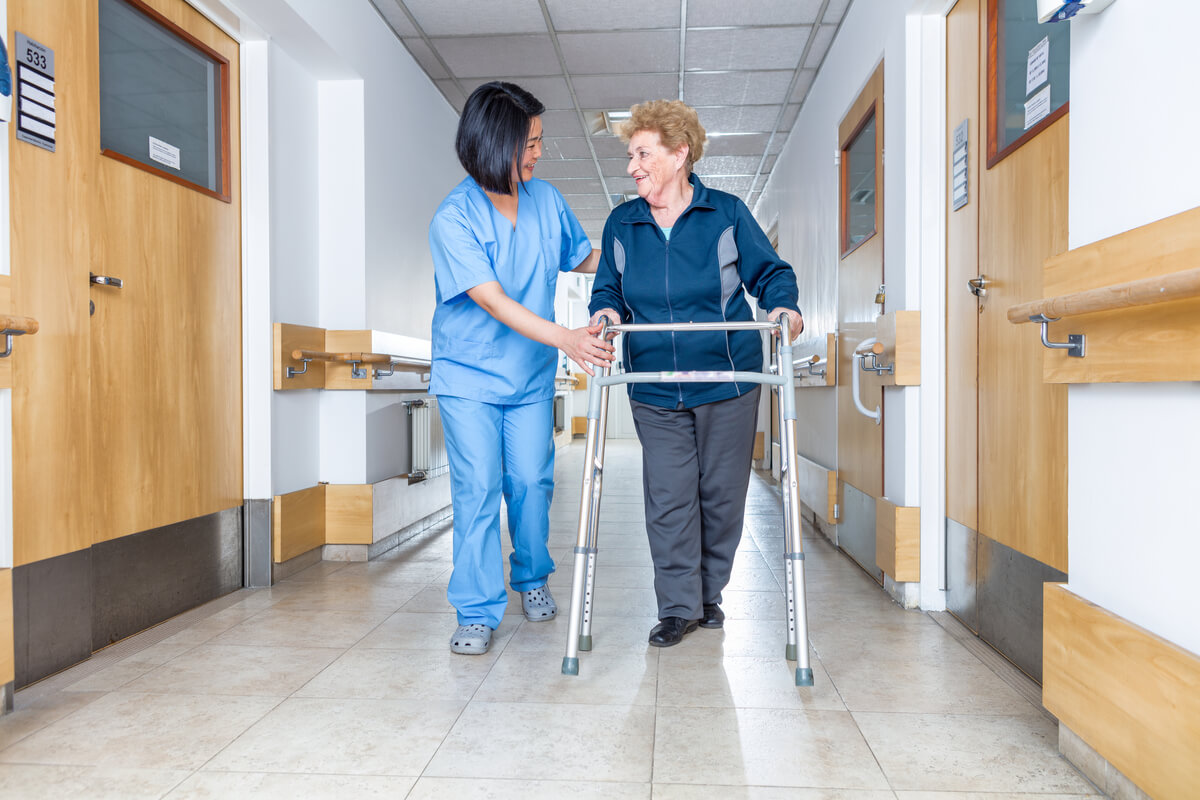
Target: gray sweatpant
[695, 472]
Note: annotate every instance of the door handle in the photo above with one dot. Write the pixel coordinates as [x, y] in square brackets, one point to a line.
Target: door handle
[105, 280]
[979, 285]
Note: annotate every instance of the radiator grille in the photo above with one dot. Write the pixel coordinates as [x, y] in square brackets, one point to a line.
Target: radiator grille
[427, 442]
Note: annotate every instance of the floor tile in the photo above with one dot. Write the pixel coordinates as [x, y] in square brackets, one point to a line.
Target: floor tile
[274, 628]
[496, 789]
[342, 736]
[130, 668]
[267, 786]
[970, 753]
[214, 669]
[610, 634]
[763, 747]
[540, 742]
[94, 783]
[740, 682]
[414, 630]
[608, 678]
[29, 717]
[668, 791]
[401, 674]
[147, 731]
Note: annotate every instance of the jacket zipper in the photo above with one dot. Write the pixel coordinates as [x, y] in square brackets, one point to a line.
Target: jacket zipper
[671, 311]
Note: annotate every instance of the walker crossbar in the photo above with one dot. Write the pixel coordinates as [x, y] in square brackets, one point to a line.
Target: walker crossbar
[780, 378]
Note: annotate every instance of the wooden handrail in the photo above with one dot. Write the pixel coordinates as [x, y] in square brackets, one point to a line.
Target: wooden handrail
[804, 361]
[18, 325]
[876, 348]
[1144, 292]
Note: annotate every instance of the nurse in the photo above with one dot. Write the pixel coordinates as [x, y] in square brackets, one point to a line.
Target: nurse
[499, 241]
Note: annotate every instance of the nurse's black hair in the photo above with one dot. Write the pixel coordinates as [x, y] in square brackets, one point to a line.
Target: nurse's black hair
[493, 131]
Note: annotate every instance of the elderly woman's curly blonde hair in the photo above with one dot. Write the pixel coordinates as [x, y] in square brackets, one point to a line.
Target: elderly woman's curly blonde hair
[675, 122]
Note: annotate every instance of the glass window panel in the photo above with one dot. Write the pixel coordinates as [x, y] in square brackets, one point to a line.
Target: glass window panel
[160, 97]
[1020, 77]
[860, 186]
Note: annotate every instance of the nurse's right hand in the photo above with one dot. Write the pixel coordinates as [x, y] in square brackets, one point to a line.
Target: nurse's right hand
[585, 347]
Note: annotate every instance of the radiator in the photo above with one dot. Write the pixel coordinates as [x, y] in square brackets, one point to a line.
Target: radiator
[427, 442]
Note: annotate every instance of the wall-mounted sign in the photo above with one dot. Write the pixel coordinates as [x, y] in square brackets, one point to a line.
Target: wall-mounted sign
[35, 92]
[958, 170]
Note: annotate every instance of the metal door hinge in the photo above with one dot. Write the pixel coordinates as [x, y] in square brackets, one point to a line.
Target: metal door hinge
[837, 511]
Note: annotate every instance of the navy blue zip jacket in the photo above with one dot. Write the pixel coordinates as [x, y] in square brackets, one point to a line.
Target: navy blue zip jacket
[716, 249]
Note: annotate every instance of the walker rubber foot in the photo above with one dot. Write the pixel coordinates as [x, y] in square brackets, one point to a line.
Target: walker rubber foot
[804, 677]
[571, 666]
[791, 652]
[585, 643]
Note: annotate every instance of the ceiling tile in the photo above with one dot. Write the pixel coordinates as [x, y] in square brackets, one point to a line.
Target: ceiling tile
[396, 18]
[760, 12]
[465, 17]
[727, 165]
[820, 46]
[573, 15]
[803, 84]
[614, 167]
[453, 94]
[736, 185]
[769, 164]
[750, 144]
[425, 58]
[565, 147]
[608, 146]
[835, 11]
[619, 92]
[581, 202]
[746, 48]
[552, 168]
[737, 119]
[736, 88]
[488, 56]
[631, 51]
[789, 117]
[579, 186]
[552, 91]
[561, 123]
[761, 182]
[622, 185]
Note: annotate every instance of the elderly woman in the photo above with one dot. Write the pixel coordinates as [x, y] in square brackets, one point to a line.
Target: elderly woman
[682, 252]
[499, 242]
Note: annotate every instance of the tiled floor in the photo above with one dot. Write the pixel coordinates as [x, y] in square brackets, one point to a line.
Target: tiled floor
[338, 683]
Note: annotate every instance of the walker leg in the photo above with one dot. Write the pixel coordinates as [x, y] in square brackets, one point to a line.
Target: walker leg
[585, 634]
[795, 557]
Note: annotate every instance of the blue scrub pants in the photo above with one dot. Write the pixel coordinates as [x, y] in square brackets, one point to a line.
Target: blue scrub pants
[498, 450]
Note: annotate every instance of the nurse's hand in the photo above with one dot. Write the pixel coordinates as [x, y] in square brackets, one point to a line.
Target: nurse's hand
[585, 347]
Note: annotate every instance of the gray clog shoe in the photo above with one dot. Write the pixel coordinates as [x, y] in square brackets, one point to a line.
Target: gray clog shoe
[471, 640]
[538, 604]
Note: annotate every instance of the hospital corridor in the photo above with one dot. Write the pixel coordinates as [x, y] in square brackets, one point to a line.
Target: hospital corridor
[655, 399]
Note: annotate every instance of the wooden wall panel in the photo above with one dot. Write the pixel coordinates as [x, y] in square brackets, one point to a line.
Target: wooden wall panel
[1148, 343]
[337, 376]
[860, 440]
[900, 334]
[7, 653]
[898, 540]
[349, 512]
[1022, 421]
[815, 485]
[298, 523]
[1132, 696]
[289, 338]
[962, 263]
[51, 255]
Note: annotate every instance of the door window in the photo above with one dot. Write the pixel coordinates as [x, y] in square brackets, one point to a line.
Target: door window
[1028, 74]
[163, 98]
[858, 185]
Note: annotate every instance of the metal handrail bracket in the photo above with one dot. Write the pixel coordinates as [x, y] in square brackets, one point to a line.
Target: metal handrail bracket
[1074, 345]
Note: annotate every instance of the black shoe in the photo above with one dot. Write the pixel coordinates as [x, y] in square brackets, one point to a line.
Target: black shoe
[713, 617]
[671, 631]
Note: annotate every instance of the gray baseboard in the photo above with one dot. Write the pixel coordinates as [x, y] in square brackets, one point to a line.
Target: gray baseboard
[67, 607]
[1108, 779]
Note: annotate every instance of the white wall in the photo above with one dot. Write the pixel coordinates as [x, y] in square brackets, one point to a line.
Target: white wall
[803, 195]
[1134, 532]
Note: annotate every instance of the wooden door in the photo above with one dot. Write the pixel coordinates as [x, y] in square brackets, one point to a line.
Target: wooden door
[860, 272]
[128, 419]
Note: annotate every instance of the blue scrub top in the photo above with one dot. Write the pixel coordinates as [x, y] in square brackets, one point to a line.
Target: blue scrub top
[475, 356]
